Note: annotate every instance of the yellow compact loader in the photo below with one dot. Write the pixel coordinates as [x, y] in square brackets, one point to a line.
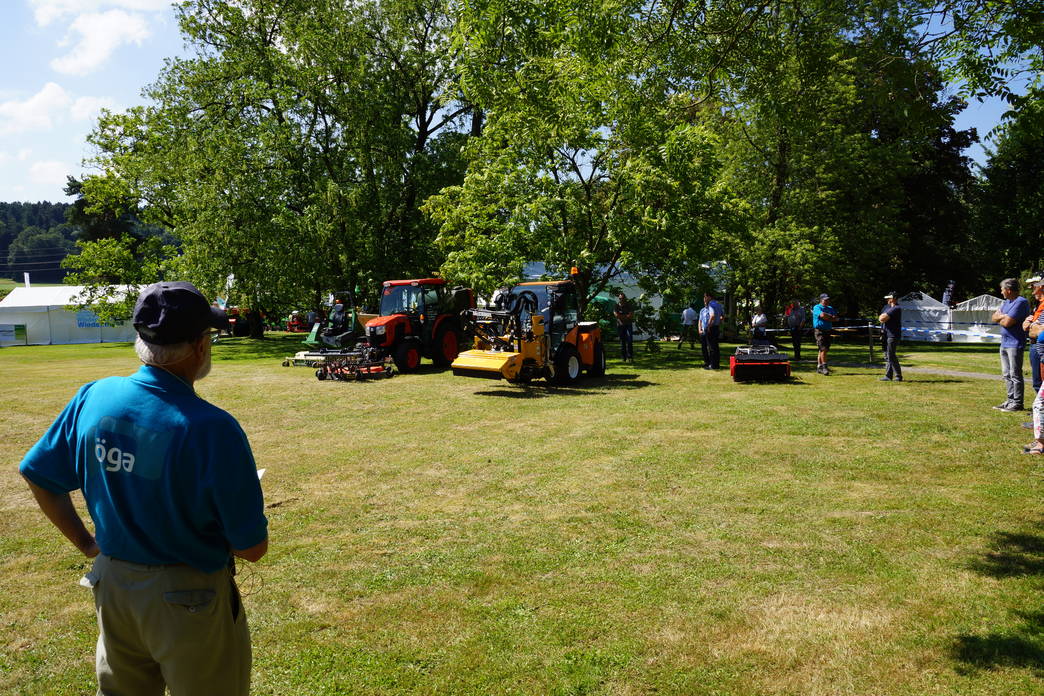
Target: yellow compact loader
[533, 330]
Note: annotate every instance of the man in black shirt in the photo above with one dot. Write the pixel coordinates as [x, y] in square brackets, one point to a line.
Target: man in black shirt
[891, 325]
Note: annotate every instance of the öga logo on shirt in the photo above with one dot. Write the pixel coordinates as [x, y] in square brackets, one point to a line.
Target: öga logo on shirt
[113, 458]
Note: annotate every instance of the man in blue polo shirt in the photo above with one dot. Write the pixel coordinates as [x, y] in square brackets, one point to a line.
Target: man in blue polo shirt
[823, 318]
[1010, 316]
[172, 488]
[709, 327]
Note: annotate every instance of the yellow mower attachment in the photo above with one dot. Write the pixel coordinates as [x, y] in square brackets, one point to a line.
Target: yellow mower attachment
[491, 364]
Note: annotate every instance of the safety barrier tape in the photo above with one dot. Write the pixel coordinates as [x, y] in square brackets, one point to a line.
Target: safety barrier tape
[910, 330]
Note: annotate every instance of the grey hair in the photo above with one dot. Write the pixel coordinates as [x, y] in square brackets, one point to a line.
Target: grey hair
[1010, 284]
[158, 356]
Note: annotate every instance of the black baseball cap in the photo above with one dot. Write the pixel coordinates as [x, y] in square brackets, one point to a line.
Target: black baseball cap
[175, 312]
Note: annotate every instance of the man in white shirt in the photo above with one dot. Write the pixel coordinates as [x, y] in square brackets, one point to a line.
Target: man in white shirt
[689, 318]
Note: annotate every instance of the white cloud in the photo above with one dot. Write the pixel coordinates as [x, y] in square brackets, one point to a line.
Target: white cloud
[89, 107]
[24, 154]
[38, 112]
[47, 11]
[99, 36]
[49, 173]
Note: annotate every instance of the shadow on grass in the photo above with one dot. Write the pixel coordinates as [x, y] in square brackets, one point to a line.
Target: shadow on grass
[1023, 647]
[918, 380]
[583, 386]
[1012, 554]
[791, 381]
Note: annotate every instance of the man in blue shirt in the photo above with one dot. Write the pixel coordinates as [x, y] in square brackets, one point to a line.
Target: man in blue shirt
[823, 318]
[710, 331]
[891, 319]
[1013, 342]
[172, 488]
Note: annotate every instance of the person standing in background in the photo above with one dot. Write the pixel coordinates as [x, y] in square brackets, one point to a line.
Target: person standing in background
[891, 318]
[1033, 325]
[796, 325]
[624, 313]
[823, 318]
[689, 318]
[710, 331]
[1010, 317]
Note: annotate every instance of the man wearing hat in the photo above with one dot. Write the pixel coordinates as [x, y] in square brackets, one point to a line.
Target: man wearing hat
[172, 488]
[823, 318]
[891, 318]
[1013, 311]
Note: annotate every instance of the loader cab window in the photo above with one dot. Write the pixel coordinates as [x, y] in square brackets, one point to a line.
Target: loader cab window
[565, 314]
[401, 299]
[558, 319]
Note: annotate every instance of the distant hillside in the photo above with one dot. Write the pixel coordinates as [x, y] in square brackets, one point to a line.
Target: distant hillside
[35, 237]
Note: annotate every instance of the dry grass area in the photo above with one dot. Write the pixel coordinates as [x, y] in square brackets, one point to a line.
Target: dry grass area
[664, 530]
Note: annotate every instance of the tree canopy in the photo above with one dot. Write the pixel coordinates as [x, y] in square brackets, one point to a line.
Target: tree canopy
[311, 146]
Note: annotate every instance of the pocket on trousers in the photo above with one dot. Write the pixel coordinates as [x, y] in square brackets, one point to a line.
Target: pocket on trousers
[193, 601]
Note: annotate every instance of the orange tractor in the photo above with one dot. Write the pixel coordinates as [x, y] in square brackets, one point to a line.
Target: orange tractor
[419, 318]
[533, 330]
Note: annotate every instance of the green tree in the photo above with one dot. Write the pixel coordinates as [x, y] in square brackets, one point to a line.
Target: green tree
[40, 252]
[105, 265]
[96, 222]
[1009, 210]
[291, 152]
[828, 143]
[579, 163]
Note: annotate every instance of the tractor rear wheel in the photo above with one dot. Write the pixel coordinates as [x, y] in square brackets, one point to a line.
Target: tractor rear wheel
[446, 346]
[567, 364]
[407, 356]
[597, 368]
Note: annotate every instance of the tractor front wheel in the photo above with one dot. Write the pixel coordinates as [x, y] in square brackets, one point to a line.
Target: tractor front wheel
[407, 357]
[446, 346]
[567, 364]
[597, 368]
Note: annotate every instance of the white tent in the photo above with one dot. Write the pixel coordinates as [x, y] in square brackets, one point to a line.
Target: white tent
[924, 318]
[972, 322]
[42, 316]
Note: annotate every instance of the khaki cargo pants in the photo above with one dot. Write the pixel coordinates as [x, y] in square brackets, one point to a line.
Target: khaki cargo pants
[168, 626]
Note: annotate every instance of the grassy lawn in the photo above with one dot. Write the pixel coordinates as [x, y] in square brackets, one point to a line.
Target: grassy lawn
[662, 530]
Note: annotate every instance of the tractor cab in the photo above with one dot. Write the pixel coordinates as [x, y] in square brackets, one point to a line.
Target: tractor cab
[557, 303]
[418, 318]
[419, 303]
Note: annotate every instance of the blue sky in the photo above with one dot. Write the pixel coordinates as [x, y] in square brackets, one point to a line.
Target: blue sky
[69, 58]
[65, 60]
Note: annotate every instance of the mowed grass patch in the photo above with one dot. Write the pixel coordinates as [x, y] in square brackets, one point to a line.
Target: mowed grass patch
[660, 530]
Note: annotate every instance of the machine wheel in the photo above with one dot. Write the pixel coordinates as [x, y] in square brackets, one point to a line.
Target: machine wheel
[567, 365]
[446, 346]
[320, 374]
[407, 356]
[286, 363]
[597, 368]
